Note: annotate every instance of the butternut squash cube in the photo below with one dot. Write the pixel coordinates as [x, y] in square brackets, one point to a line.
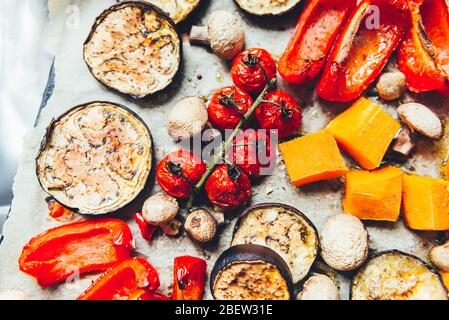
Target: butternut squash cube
[425, 203]
[313, 158]
[445, 276]
[375, 195]
[365, 131]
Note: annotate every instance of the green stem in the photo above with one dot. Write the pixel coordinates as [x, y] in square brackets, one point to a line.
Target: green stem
[228, 143]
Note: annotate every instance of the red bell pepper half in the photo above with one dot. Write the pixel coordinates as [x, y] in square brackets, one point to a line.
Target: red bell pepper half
[363, 48]
[417, 57]
[131, 279]
[80, 247]
[315, 33]
[189, 275]
[147, 230]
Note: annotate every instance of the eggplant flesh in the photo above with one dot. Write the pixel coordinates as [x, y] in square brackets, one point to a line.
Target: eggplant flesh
[96, 158]
[251, 272]
[267, 7]
[178, 10]
[394, 275]
[283, 229]
[133, 48]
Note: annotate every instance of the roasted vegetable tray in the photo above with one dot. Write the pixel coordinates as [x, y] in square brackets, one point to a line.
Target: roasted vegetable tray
[201, 72]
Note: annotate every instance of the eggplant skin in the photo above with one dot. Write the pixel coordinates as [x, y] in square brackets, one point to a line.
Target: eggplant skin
[178, 10]
[267, 7]
[96, 158]
[395, 275]
[251, 272]
[283, 229]
[134, 49]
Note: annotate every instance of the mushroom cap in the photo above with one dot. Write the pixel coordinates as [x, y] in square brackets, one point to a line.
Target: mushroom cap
[344, 242]
[420, 118]
[391, 85]
[187, 118]
[319, 287]
[439, 256]
[160, 209]
[226, 34]
[201, 225]
[14, 295]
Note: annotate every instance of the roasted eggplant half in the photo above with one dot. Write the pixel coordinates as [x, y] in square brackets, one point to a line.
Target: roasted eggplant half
[283, 229]
[96, 158]
[133, 48]
[178, 10]
[394, 275]
[267, 7]
[251, 272]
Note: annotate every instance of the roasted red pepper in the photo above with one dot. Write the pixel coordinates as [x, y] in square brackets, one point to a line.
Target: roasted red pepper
[189, 275]
[416, 56]
[92, 245]
[147, 230]
[57, 210]
[123, 281]
[314, 36]
[371, 34]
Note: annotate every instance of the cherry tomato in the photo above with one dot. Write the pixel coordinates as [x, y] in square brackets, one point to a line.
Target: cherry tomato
[252, 151]
[227, 107]
[228, 187]
[283, 114]
[247, 72]
[178, 172]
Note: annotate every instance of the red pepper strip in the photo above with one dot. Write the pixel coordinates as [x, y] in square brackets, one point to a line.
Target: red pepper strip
[315, 33]
[76, 248]
[145, 294]
[189, 275]
[122, 281]
[147, 230]
[416, 57]
[362, 50]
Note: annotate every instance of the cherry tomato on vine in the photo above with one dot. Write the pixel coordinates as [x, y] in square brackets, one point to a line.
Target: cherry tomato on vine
[227, 107]
[228, 187]
[252, 151]
[178, 172]
[253, 69]
[281, 113]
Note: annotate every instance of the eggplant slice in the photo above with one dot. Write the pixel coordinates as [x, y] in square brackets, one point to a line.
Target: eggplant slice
[178, 10]
[251, 272]
[283, 229]
[96, 158]
[394, 275]
[134, 49]
[267, 7]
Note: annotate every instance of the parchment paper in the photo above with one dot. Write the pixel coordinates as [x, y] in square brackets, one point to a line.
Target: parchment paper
[201, 73]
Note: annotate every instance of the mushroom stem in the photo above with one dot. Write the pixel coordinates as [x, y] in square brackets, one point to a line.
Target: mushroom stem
[199, 35]
[404, 144]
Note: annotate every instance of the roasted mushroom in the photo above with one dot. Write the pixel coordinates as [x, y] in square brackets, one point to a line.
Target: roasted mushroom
[391, 85]
[319, 287]
[188, 118]
[439, 256]
[344, 242]
[161, 210]
[201, 226]
[267, 7]
[96, 158]
[420, 118]
[224, 33]
[178, 10]
[134, 49]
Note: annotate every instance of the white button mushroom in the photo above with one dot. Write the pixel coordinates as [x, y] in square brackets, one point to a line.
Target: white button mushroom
[224, 33]
[14, 295]
[201, 226]
[161, 210]
[344, 242]
[187, 118]
[439, 256]
[391, 85]
[319, 287]
[420, 118]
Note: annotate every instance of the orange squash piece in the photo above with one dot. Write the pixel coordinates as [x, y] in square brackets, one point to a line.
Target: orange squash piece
[313, 158]
[425, 203]
[374, 195]
[365, 131]
[445, 276]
